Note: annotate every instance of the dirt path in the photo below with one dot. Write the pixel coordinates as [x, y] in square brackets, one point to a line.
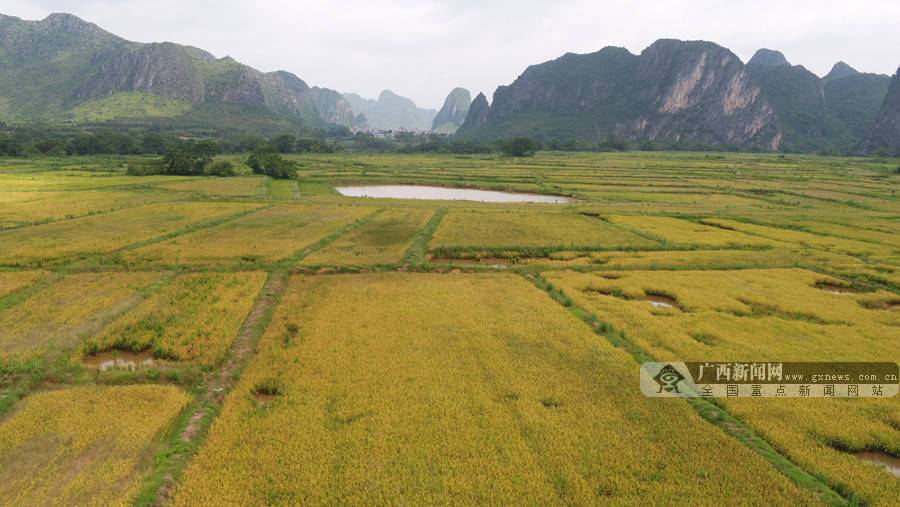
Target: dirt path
[219, 382]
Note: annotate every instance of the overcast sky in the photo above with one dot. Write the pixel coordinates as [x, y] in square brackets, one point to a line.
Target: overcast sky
[423, 48]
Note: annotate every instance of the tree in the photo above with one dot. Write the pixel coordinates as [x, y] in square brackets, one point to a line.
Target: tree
[266, 160]
[285, 143]
[52, 147]
[189, 160]
[612, 142]
[249, 142]
[9, 148]
[205, 148]
[153, 143]
[519, 147]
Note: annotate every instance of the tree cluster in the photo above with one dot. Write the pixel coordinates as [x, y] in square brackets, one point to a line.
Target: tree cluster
[269, 161]
[519, 147]
[56, 140]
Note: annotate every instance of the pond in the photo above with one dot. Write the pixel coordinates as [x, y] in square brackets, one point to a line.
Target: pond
[445, 193]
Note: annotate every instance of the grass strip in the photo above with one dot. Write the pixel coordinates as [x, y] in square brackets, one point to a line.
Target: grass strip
[415, 255]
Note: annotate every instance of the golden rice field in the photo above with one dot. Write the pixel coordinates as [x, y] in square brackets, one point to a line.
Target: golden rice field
[383, 240]
[417, 387]
[766, 315]
[107, 232]
[311, 348]
[61, 313]
[758, 313]
[193, 318]
[722, 259]
[84, 445]
[247, 186]
[472, 228]
[837, 244]
[27, 208]
[682, 232]
[269, 235]
[75, 180]
[14, 280]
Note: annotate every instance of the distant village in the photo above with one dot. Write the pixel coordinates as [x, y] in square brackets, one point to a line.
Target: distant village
[388, 133]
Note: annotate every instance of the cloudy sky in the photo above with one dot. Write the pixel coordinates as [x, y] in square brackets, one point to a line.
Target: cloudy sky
[423, 48]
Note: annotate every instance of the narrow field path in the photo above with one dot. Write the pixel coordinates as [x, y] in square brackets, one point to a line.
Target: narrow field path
[217, 383]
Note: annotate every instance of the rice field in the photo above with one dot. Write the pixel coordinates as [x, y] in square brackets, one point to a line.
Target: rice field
[14, 280]
[27, 208]
[311, 348]
[61, 313]
[417, 387]
[108, 232]
[765, 315]
[239, 186]
[477, 228]
[383, 240]
[268, 235]
[194, 318]
[682, 232]
[84, 445]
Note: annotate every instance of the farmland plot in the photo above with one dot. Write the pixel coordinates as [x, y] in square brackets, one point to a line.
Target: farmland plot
[107, 232]
[84, 445]
[474, 228]
[397, 387]
[61, 314]
[381, 241]
[768, 315]
[194, 318]
[269, 235]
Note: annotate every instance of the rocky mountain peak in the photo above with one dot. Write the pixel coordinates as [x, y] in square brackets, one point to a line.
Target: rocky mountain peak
[839, 70]
[477, 115]
[886, 133]
[454, 111]
[61, 21]
[768, 58]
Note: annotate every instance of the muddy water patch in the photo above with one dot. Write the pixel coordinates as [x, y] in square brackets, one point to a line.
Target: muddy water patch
[616, 293]
[836, 289]
[880, 305]
[660, 300]
[120, 360]
[263, 397]
[267, 390]
[890, 463]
